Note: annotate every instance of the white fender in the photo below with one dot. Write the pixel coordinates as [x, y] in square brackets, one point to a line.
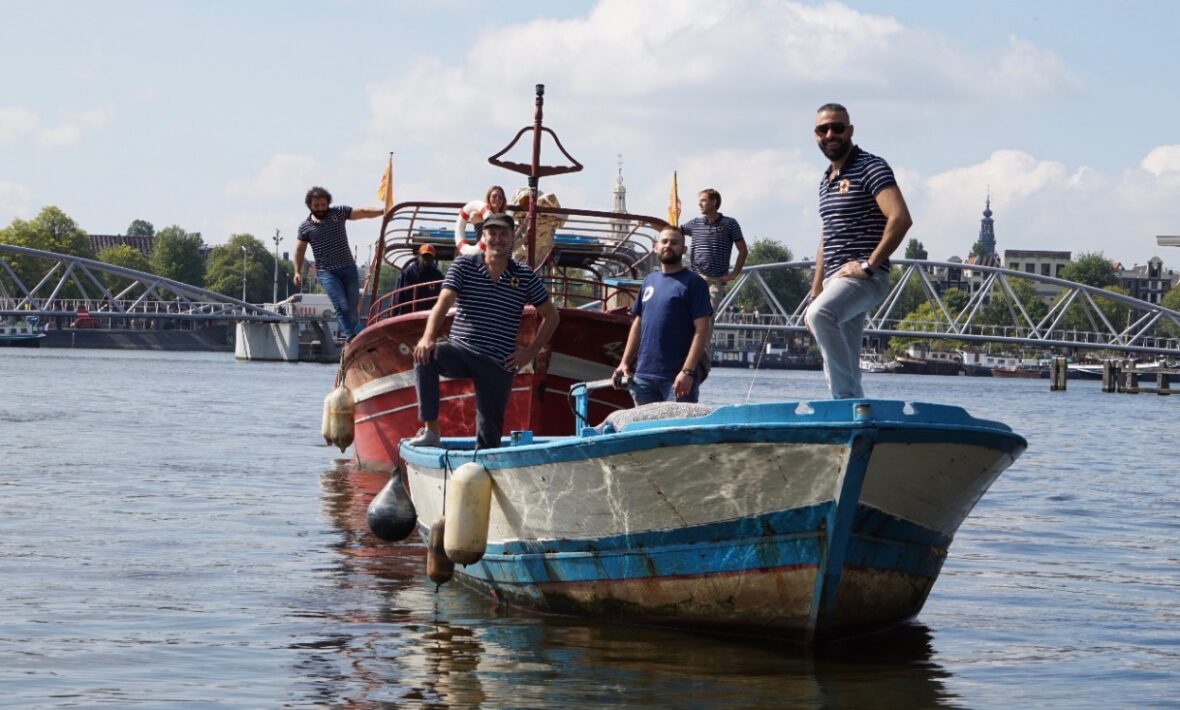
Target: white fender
[469, 505]
[473, 212]
[337, 425]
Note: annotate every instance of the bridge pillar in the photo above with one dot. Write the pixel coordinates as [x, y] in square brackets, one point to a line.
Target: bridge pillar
[267, 341]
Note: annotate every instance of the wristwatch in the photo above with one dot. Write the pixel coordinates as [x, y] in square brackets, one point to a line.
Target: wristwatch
[690, 373]
[868, 269]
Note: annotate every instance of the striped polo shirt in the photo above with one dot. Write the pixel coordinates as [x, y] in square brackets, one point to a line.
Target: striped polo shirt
[488, 315]
[329, 240]
[853, 223]
[712, 244]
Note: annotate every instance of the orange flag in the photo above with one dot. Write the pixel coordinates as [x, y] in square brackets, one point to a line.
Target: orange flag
[385, 190]
[674, 204]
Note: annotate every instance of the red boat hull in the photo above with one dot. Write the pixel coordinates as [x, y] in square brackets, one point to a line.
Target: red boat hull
[378, 368]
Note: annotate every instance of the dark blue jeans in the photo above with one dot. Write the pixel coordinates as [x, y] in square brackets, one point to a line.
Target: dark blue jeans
[343, 287]
[645, 390]
[491, 382]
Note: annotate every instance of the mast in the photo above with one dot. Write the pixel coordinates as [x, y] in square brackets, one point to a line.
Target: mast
[534, 170]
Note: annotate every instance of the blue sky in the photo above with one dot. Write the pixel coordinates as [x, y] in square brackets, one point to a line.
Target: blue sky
[218, 116]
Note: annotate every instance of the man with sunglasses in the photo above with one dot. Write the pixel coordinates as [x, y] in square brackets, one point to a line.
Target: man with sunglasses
[864, 220]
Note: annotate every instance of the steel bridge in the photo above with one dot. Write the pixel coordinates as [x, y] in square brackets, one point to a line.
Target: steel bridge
[61, 286]
[1071, 302]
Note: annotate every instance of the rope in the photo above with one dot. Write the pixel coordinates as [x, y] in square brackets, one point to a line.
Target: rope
[757, 364]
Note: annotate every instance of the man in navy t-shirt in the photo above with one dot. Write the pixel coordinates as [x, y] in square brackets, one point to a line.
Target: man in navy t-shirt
[672, 326]
[491, 291]
[334, 266]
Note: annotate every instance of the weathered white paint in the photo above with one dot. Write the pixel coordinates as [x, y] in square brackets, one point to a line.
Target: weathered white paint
[653, 489]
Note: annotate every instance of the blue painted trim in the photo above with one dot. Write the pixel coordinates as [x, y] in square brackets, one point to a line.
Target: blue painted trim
[841, 518]
[829, 422]
[794, 538]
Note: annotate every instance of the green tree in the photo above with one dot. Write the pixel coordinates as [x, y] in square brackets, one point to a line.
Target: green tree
[51, 230]
[177, 256]
[1080, 313]
[789, 286]
[976, 250]
[915, 250]
[126, 256]
[226, 263]
[141, 228]
[912, 295]
[1171, 300]
[999, 310]
[1092, 269]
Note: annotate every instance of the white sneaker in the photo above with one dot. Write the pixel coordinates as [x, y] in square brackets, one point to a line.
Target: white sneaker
[424, 437]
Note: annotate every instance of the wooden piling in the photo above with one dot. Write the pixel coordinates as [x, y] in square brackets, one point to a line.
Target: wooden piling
[1110, 376]
[1057, 373]
[1132, 382]
[1162, 385]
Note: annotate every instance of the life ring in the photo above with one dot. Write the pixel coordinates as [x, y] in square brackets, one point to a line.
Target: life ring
[473, 212]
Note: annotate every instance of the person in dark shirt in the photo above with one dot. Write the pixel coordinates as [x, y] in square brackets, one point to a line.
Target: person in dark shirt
[335, 266]
[666, 347]
[418, 286]
[490, 292]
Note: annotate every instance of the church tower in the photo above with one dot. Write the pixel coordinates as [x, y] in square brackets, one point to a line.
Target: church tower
[987, 230]
[620, 226]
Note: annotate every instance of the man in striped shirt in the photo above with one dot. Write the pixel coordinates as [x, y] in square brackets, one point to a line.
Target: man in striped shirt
[714, 237]
[491, 291]
[864, 220]
[334, 266]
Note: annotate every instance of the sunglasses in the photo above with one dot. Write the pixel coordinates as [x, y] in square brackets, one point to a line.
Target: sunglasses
[837, 128]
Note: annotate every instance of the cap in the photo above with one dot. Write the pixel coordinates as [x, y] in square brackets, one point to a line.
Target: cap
[427, 249]
[499, 219]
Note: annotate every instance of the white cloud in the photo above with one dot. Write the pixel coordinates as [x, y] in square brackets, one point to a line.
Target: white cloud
[18, 123]
[282, 177]
[14, 200]
[1043, 204]
[1162, 159]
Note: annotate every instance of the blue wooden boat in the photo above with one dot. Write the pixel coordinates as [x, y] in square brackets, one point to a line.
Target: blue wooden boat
[799, 520]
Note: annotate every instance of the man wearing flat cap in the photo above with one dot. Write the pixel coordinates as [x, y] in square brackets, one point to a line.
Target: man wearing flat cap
[490, 291]
[418, 285]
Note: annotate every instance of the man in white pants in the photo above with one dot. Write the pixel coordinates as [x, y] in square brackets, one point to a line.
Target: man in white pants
[864, 219]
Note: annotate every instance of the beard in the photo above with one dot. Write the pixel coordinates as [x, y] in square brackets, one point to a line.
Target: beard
[837, 152]
[671, 257]
[320, 214]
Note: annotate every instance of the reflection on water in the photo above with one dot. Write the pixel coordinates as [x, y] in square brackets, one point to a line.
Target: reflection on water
[168, 536]
[458, 648]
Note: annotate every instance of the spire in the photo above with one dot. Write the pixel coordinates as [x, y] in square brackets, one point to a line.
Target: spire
[620, 226]
[987, 229]
[620, 190]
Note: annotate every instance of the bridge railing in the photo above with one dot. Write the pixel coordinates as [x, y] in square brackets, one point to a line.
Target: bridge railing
[1148, 327]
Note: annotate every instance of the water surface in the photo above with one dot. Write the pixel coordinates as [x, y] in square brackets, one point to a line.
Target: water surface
[173, 531]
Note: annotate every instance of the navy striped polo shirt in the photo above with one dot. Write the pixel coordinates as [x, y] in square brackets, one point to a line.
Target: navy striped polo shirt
[488, 315]
[712, 244]
[853, 223]
[329, 240]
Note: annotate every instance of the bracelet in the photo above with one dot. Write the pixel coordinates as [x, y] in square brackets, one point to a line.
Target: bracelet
[690, 373]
